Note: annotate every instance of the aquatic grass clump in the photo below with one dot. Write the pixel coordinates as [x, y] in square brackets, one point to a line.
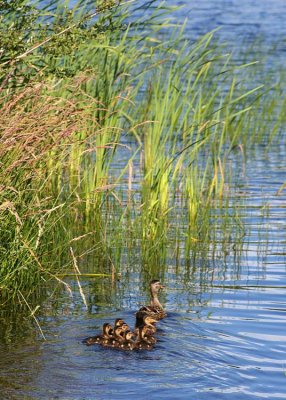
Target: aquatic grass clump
[192, 118]
[39, 196]
[28, 211]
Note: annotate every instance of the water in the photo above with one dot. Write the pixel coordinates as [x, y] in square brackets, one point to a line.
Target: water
[238, 19]
[225, 331]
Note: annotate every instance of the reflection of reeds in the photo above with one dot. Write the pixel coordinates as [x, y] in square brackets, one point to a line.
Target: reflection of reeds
[183, 111]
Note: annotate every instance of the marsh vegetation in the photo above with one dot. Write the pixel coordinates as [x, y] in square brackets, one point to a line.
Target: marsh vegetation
[119, 138]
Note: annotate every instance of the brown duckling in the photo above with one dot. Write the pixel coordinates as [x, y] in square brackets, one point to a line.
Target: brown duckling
[155, 309]
[118, 322]
[119, 334]
[124, 340]
[107, 330]
[143, 342]
[129, 342]
[149, 323]
[129, 336]
[125, 327]
[143, 319]
[104, 338]
[145, 336]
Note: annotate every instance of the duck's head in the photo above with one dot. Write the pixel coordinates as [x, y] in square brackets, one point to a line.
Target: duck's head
[156, 286]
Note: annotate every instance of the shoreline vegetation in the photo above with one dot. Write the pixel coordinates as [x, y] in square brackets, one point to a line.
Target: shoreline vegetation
[113, 125]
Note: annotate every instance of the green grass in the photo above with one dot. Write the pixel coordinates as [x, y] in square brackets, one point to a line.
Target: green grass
[120, 146]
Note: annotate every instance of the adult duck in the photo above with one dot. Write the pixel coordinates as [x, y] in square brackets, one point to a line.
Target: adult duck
[155, 309]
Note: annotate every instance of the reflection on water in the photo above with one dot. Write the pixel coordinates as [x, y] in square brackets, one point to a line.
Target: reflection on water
[225, 333]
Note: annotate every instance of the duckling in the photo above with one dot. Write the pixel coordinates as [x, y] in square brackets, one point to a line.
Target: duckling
[119, 334]
[144, 336]
[108, 333]
[118, 337]
[144, 343]
[149, 322]
[125, 327]
[104, 338]
[129, 342]
[107, 330]
[145, 319]
[118, 322]
[129, 336]
[123, 340]
[155, 309]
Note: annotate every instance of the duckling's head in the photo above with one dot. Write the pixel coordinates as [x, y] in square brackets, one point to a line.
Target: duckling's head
[125, 327]
[129, 336]
[118, 331]
[118, 322]
[107, 329]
